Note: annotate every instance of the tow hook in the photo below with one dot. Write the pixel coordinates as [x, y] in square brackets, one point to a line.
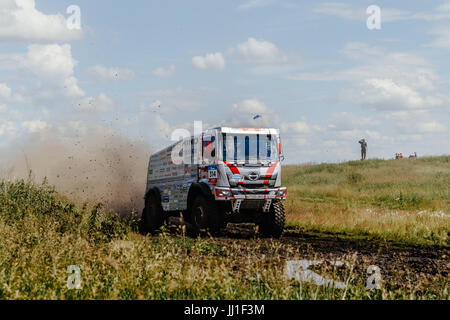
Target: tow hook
[237, 206]
[267, 205]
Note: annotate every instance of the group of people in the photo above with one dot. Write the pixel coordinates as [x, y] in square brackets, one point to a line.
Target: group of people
[363, 144]
[400, 155]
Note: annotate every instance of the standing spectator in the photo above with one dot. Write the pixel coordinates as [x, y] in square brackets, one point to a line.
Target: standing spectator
[363, 144]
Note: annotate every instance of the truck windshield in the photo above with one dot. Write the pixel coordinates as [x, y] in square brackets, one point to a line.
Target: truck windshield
[251, 148]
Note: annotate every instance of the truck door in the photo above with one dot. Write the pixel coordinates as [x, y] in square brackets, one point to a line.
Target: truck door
[209, 158]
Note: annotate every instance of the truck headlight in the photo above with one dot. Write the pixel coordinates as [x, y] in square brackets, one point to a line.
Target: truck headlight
[223, 193]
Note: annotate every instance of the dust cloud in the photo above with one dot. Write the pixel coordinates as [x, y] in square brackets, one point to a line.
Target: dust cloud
[93, 168]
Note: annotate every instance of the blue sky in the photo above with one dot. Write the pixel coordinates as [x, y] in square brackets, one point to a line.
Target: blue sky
[312, 69]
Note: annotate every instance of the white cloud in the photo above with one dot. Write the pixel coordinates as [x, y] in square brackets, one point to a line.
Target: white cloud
[403, 89]
[35, 126]
[267, 59]
[164, 73]
[55, 65]
[156, 128]
[160, 127]
[49, 71]
[252, 106]
[7, 96]
[112, 74]
[384, 80]
[210, 61]
[412, 122]
[385, 94]
[5, 92]
[20, 21]
[252, 4]
[337, 138]
[417, 77]
[260, 52]
[101, 103]
[50, 60]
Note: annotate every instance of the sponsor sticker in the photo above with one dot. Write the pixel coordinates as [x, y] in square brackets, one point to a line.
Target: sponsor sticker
[237, 178]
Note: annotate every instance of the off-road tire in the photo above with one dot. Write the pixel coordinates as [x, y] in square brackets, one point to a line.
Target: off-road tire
[152, 216]
[272, 223]
[205, 214]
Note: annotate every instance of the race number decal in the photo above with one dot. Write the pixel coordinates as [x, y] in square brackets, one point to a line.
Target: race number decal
[212, 172]
[212, 175]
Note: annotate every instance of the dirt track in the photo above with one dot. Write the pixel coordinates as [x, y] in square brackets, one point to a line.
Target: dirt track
[401, 265]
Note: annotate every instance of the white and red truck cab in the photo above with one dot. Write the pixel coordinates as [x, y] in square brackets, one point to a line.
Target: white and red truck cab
[219, 176]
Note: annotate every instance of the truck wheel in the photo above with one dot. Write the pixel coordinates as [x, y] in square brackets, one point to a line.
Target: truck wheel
[272, 222]
[152, 215]
[205, 214]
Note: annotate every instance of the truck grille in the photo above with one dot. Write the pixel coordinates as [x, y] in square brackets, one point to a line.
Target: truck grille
[260, 184]
[250, 191]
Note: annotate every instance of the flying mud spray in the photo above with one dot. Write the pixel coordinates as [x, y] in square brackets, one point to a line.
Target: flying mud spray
[95, 167]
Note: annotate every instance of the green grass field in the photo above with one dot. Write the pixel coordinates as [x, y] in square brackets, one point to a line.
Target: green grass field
[404, 201]
[42, 233]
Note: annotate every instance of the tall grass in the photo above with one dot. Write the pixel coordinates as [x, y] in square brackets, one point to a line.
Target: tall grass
[42, 234]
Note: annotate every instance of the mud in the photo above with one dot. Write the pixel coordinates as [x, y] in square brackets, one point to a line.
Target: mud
[402, 266]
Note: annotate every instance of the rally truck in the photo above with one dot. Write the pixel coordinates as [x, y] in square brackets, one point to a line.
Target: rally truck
[220, 176]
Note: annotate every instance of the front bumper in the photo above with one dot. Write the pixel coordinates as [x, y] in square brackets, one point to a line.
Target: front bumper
[223, 194]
